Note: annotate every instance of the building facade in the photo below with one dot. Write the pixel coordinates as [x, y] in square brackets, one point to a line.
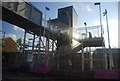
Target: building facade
[67, 21]
[68, 16]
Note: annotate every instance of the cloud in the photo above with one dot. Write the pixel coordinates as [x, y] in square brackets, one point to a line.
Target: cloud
[82, 6]
[86, 7]
[17, 29]
[13, 36]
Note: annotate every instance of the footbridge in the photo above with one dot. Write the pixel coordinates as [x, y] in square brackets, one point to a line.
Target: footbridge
[13, 13]
[28, 17]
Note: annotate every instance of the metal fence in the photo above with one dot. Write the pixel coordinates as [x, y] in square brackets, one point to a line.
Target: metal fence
[93, 31]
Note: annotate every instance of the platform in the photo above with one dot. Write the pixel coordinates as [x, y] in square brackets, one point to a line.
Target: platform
[93, 42]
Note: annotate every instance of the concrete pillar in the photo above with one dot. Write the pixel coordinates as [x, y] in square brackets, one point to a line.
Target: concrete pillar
[33, 43]
[82, 58]
[24, 40]
[58, 53]
[48, 42]
[52, 46]
[58, 61]
[39, 45]
[32, 63]
[106, 58]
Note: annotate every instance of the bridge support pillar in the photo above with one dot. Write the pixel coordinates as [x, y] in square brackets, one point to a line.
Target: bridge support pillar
[52, 46]
[33, 43]
[82, 58]
[24, 41]
[32, 63]
[39, 46]
[48, 42]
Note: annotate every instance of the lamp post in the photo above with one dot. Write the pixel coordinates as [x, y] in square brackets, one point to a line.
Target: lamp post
[45, 23]
[46, 9]
[110, 54]
[100, 18]
[85, 28]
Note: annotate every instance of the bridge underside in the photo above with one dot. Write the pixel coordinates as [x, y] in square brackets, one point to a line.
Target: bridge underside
[14, 18]
[93, 42]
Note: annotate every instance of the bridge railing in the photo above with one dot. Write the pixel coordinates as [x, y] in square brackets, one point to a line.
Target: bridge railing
[92, 32]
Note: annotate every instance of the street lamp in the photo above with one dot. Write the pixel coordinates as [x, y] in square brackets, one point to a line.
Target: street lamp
[105, 14]
[110, 54]
[46, 9]
[100, 17]
[85, 28]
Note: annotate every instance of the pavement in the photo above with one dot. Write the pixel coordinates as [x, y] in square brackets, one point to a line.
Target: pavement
[9, 75]
[20, 76]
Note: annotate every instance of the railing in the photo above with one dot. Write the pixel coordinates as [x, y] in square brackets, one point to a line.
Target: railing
[92, 31]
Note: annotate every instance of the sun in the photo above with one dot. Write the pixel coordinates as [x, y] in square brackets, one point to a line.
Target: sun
[76, 35]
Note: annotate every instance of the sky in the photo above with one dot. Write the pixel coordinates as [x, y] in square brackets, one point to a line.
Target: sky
[87, 12]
